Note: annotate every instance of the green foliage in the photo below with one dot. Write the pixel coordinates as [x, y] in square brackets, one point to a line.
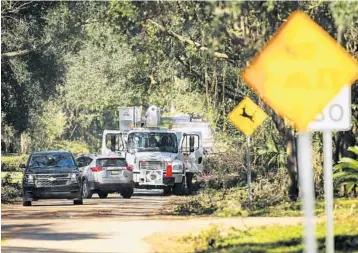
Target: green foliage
[67, 66]
[16, 177]
[346, 172]
[76, 147]
[48, 125]
[10, 191]
[12, 163]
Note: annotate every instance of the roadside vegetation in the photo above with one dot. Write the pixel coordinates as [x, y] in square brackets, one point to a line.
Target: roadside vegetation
[67, 66]
[266, 238]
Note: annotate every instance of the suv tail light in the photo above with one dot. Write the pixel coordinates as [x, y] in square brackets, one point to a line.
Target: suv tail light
[169, 172]
[129, 168]
[97, 169]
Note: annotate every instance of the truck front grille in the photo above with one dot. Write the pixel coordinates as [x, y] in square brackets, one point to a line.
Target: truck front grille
[152, 165]
[52, 180]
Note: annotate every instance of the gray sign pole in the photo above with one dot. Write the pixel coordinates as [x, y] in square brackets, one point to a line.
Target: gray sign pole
[248, 170]
[307, 189]
[328, 189]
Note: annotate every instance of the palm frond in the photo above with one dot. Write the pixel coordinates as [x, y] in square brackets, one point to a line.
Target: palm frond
[354, 149]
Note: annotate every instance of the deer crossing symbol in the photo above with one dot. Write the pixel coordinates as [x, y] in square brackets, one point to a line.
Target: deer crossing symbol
[245, 115]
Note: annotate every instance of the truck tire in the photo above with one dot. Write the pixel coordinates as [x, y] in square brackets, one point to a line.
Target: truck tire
[189, 183]
[179, 188]
[167, 191]
[78, 202]
[87, 193]
[127, 193]
[103, 195]
[26, 203]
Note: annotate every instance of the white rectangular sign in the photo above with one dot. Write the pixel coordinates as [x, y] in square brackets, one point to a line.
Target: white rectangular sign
[336, 116]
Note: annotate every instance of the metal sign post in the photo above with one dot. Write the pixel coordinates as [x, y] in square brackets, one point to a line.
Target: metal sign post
[328, 189]
[247, 116]
[307, 189]
[335, 116]
[248, 170]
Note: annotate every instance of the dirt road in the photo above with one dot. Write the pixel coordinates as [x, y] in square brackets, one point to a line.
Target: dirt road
[102, 225]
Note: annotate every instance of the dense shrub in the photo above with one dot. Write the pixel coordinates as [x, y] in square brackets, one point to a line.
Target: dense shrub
[10, 191]
[223, 171]
[12, 163]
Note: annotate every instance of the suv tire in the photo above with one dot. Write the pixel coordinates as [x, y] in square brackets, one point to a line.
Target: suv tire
[87, 193]
[127, 193]
[78, 202]
[103, 195]
[26, 203]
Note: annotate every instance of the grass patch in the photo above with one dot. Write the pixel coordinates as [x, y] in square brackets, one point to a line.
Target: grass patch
[293, 209]
[273, 239]
[268, 239]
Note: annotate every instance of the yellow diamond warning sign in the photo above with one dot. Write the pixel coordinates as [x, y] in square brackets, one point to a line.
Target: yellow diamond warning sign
[300, 70]
[247, 116]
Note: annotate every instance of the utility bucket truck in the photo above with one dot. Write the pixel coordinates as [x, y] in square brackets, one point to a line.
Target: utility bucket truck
[161, 158]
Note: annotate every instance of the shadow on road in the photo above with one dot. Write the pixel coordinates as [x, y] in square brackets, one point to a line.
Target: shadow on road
[8, 249]
[41, 232]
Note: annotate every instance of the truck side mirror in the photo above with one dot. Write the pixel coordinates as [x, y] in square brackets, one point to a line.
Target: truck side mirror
[23, 166]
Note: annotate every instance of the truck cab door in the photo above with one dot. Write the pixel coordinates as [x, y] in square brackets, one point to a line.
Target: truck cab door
[191, 150]
[113, 142]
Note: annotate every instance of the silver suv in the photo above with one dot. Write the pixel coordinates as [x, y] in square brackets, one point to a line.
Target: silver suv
[104, 174]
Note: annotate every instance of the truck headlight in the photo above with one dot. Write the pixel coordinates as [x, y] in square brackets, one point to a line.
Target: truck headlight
[30, 179]
[177, 167]
[74, 177]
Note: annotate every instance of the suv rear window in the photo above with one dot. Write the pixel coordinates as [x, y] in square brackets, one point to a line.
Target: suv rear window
[111, 162]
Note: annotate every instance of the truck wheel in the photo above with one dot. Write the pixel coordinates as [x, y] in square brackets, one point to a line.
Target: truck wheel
[127, 193]
[103, 195]
[167, 191]
[78, 202]
[189, 182]
[26, 203]
[179, 188]
[86, 191]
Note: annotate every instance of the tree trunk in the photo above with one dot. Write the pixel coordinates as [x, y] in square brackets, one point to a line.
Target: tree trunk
[291, 153]
[24, 144]
[337, 140]
[292, 164]
[223, 101]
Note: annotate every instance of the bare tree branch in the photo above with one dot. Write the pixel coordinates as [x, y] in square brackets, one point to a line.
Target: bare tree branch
[23, 52]
[14, 8]
[188, 41]
[15, 53]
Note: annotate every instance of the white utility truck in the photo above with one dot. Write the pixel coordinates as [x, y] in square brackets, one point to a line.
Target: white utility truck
[161, 158]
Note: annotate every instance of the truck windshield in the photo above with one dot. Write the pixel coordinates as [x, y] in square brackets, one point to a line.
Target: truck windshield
[144, 142]
[51, 160]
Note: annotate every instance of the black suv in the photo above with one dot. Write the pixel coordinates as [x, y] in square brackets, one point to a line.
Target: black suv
[51, 175]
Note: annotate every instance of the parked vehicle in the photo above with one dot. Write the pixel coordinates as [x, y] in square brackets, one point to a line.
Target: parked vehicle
[104, 174]
[160, 158]
[164, 159]
[51, 175]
